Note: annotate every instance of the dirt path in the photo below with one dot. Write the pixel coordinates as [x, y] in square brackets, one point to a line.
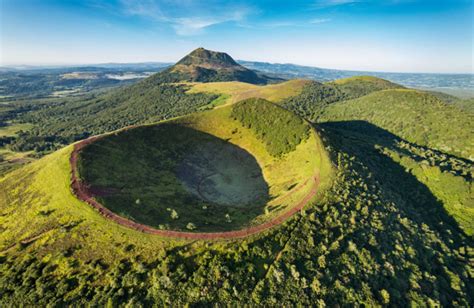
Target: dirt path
[27, 241]
[82, 192]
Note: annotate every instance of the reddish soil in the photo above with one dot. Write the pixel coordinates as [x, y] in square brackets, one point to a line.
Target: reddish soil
[101, 191]
[18, 160]
[82, 191]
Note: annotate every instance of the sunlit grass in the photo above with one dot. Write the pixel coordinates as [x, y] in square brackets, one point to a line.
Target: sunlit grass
[240, 90]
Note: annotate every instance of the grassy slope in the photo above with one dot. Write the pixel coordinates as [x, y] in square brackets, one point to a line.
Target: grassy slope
[11, 129]
[465, 104]
[426, 124]
[10, 160]
[239, 90]
[358, 86]
[315, 96]
[413, 115]
[37, 201]
[334, 91]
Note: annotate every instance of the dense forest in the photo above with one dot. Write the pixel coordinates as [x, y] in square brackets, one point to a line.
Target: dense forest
[68, 121]
[39, 83]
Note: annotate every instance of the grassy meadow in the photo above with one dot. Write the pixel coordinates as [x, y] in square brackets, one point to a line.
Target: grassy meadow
[235, 91]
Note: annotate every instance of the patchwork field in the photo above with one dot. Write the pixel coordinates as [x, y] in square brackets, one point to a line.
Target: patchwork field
[11, 129]
[10, 159]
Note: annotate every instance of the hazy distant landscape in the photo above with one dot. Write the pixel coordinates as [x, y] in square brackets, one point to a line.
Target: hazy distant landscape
[115, 74]
[456, 84]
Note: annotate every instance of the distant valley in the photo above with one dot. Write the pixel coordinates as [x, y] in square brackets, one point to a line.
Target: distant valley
[85, 78]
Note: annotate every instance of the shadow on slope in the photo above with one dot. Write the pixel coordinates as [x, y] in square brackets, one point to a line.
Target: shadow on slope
[169, 175]
[419, 250]
[360, 140]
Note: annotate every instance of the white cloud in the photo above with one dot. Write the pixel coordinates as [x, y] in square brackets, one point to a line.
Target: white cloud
[185, 17]
[319, 20]
[329, 3]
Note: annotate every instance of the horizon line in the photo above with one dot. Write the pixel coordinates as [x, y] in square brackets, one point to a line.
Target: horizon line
[91, 64]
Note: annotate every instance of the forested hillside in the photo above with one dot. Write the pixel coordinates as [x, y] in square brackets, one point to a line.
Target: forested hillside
[415, 116]
[316, 96]
[152, 99]
[143, 102]
[281, 131]
[433, 140]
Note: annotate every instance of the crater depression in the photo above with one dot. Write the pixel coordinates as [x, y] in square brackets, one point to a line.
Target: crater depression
[221, 170]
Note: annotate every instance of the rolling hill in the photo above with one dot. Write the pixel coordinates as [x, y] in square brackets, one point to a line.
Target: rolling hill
[430, 138]
[415, 116]
[358, 86]
[316, 96]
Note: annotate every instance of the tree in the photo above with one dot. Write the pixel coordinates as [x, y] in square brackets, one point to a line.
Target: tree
[385, 296]
[174, 214]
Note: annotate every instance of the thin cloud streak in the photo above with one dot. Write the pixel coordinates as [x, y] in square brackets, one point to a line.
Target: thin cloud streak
[319, 21]
[182, 24]
[320, 4]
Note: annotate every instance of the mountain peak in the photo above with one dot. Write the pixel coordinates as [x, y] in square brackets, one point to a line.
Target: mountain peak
[208, 58]
[202, 65]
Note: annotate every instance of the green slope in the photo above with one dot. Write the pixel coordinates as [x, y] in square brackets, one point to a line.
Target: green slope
[431, 139]
[415, 116]
[143, 102]
[358, 86]
[316, 96]
[465, 104]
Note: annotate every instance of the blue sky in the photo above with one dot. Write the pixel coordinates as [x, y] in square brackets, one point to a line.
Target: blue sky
[384, 35]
